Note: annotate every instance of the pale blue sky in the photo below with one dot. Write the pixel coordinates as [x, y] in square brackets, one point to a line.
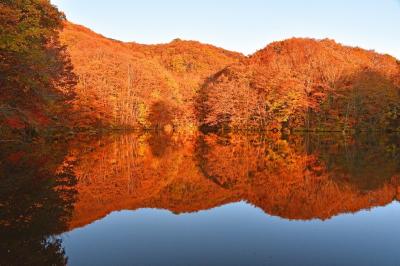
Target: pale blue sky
[242, 25]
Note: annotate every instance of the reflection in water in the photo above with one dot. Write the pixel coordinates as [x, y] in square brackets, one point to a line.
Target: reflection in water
[36, 201]
[295, 178]
[47, 190]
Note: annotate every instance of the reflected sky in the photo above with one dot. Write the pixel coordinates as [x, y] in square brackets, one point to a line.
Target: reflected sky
[236, 234]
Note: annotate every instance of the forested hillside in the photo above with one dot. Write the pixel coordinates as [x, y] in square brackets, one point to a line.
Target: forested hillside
[305, 84]
[58, 75]
[134, 85]
[302, 84]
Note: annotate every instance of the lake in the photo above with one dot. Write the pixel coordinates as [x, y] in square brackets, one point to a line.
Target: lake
[201, 199]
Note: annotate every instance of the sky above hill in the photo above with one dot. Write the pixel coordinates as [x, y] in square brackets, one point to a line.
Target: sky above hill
[242, 25]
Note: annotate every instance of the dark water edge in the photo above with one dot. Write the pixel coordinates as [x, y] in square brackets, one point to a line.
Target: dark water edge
[144, 198]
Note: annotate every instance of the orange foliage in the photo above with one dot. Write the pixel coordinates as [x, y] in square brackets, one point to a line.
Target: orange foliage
[303, 84]
[309, 84]
[121, 83]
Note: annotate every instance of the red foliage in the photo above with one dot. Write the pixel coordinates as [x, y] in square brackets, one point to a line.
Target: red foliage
[40, 117]
[14, 122]
[15, 157]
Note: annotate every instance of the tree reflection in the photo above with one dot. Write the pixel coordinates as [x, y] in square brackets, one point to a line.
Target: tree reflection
[36, 200]
[295, 176]
[305, 177]
[368, 160]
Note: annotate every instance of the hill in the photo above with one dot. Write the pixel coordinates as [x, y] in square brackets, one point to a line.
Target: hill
[55, 75]
[135, 85]
[305, 84]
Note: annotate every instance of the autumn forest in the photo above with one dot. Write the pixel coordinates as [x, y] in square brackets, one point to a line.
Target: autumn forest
[185, 153]
[58, 77]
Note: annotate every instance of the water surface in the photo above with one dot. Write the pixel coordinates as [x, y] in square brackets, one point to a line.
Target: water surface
[178, 199]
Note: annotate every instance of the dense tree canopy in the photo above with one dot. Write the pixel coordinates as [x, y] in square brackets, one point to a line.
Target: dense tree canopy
[135, 85]
[306, 84]
[36, 76]
[302, 84]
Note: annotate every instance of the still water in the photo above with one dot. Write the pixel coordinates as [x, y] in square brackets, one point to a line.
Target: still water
[178, 199]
